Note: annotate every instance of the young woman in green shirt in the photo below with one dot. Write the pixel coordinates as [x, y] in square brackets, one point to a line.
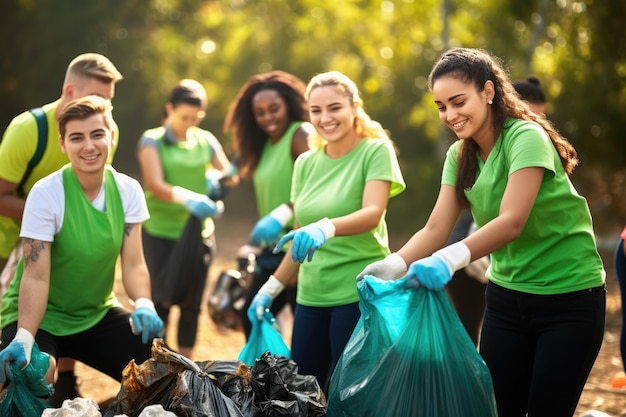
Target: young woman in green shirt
[545, 300]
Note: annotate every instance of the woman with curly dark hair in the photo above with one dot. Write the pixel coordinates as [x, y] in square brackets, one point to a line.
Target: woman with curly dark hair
[269, 122]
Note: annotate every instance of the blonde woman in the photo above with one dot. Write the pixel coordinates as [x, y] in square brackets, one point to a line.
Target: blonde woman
[339, 194]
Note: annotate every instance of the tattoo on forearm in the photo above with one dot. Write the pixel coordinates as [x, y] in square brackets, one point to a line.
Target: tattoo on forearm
[128, 227]
[36, 246]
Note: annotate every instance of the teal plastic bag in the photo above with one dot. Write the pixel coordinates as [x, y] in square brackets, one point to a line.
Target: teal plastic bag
[409, 355]
[264, 337]
[27, 387]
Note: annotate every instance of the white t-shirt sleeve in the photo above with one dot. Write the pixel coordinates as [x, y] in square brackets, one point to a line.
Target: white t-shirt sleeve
[133, 199]
[44, 209]
[45, 206]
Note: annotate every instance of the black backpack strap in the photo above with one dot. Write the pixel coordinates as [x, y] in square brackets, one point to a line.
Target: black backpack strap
[42, 141]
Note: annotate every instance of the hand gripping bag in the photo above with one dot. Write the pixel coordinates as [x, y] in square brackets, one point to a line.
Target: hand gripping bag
[264, 337]
[26, 388]
[409, 355]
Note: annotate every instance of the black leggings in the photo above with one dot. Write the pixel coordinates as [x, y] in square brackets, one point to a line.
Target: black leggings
[108, 346]
[541, 348]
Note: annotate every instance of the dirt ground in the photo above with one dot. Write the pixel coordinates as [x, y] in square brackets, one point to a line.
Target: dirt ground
[222, 344]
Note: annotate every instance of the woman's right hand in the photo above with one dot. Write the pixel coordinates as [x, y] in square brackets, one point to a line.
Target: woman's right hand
[386, 269]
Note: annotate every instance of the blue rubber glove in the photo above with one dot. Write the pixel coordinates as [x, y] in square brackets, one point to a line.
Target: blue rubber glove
[307, 239]
[435, 271]
[202, 207]
[264, 297]
[145, 321]
[198, 204]
[260, 303]
[432, 272]
[265, 232]
[17, 352]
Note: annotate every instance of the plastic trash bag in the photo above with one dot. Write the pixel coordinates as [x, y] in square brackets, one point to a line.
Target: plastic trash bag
[409, 355]
[78, 407]
[27, 387]
[278, 390]
[270, 388]
[178, 282]
[264, 337]
[175, 382]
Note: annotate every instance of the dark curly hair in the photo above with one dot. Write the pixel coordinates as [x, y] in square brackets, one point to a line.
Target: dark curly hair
[240, 121]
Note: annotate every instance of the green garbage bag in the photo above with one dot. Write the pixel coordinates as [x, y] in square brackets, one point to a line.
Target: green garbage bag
[264, 337]
[27, 387]
[409, 355]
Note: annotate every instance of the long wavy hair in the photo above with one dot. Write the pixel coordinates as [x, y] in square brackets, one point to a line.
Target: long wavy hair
[249, 138]
[364, 126]
[478, 66]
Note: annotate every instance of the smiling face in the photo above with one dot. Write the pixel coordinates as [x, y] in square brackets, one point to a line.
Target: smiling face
[270, 113]
[332, 113]
[87, 143]
[463, 108]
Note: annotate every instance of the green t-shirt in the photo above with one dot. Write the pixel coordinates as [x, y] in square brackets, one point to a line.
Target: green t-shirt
[184, 164]
[272, 176]
[82, 261]
[327, 187]
[18, 146]
[556, 251]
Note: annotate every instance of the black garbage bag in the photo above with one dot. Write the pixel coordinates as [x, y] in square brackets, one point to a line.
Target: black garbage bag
[272, 387]
[177, 283]
[173, 381]
[278, 390]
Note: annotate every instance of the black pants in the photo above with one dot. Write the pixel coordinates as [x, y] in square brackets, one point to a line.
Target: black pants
[541, 348]
[108, 346]
[158, 252]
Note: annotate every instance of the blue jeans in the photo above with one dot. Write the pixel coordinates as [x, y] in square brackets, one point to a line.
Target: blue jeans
[319, 336]
[541, 348]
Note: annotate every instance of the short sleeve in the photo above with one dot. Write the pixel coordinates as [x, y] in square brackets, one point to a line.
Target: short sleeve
[44, 209]
[133, 199]
[383, 165]
[450, 165]
[530, 146]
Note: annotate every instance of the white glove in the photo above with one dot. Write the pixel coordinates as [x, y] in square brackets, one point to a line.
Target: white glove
[387, 269]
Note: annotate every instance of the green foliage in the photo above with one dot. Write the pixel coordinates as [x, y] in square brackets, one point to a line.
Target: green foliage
[387, 47]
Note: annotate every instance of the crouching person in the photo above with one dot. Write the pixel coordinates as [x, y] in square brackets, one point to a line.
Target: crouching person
[76, 222]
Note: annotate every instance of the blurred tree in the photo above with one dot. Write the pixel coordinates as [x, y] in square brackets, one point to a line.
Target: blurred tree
[387, 47]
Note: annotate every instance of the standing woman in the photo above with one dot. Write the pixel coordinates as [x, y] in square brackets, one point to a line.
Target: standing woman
[269, 120]
[340, 193]
[545, 300]
[174, 161]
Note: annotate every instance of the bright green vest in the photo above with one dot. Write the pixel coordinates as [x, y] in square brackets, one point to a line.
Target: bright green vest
[82, 261]
[184, 164]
